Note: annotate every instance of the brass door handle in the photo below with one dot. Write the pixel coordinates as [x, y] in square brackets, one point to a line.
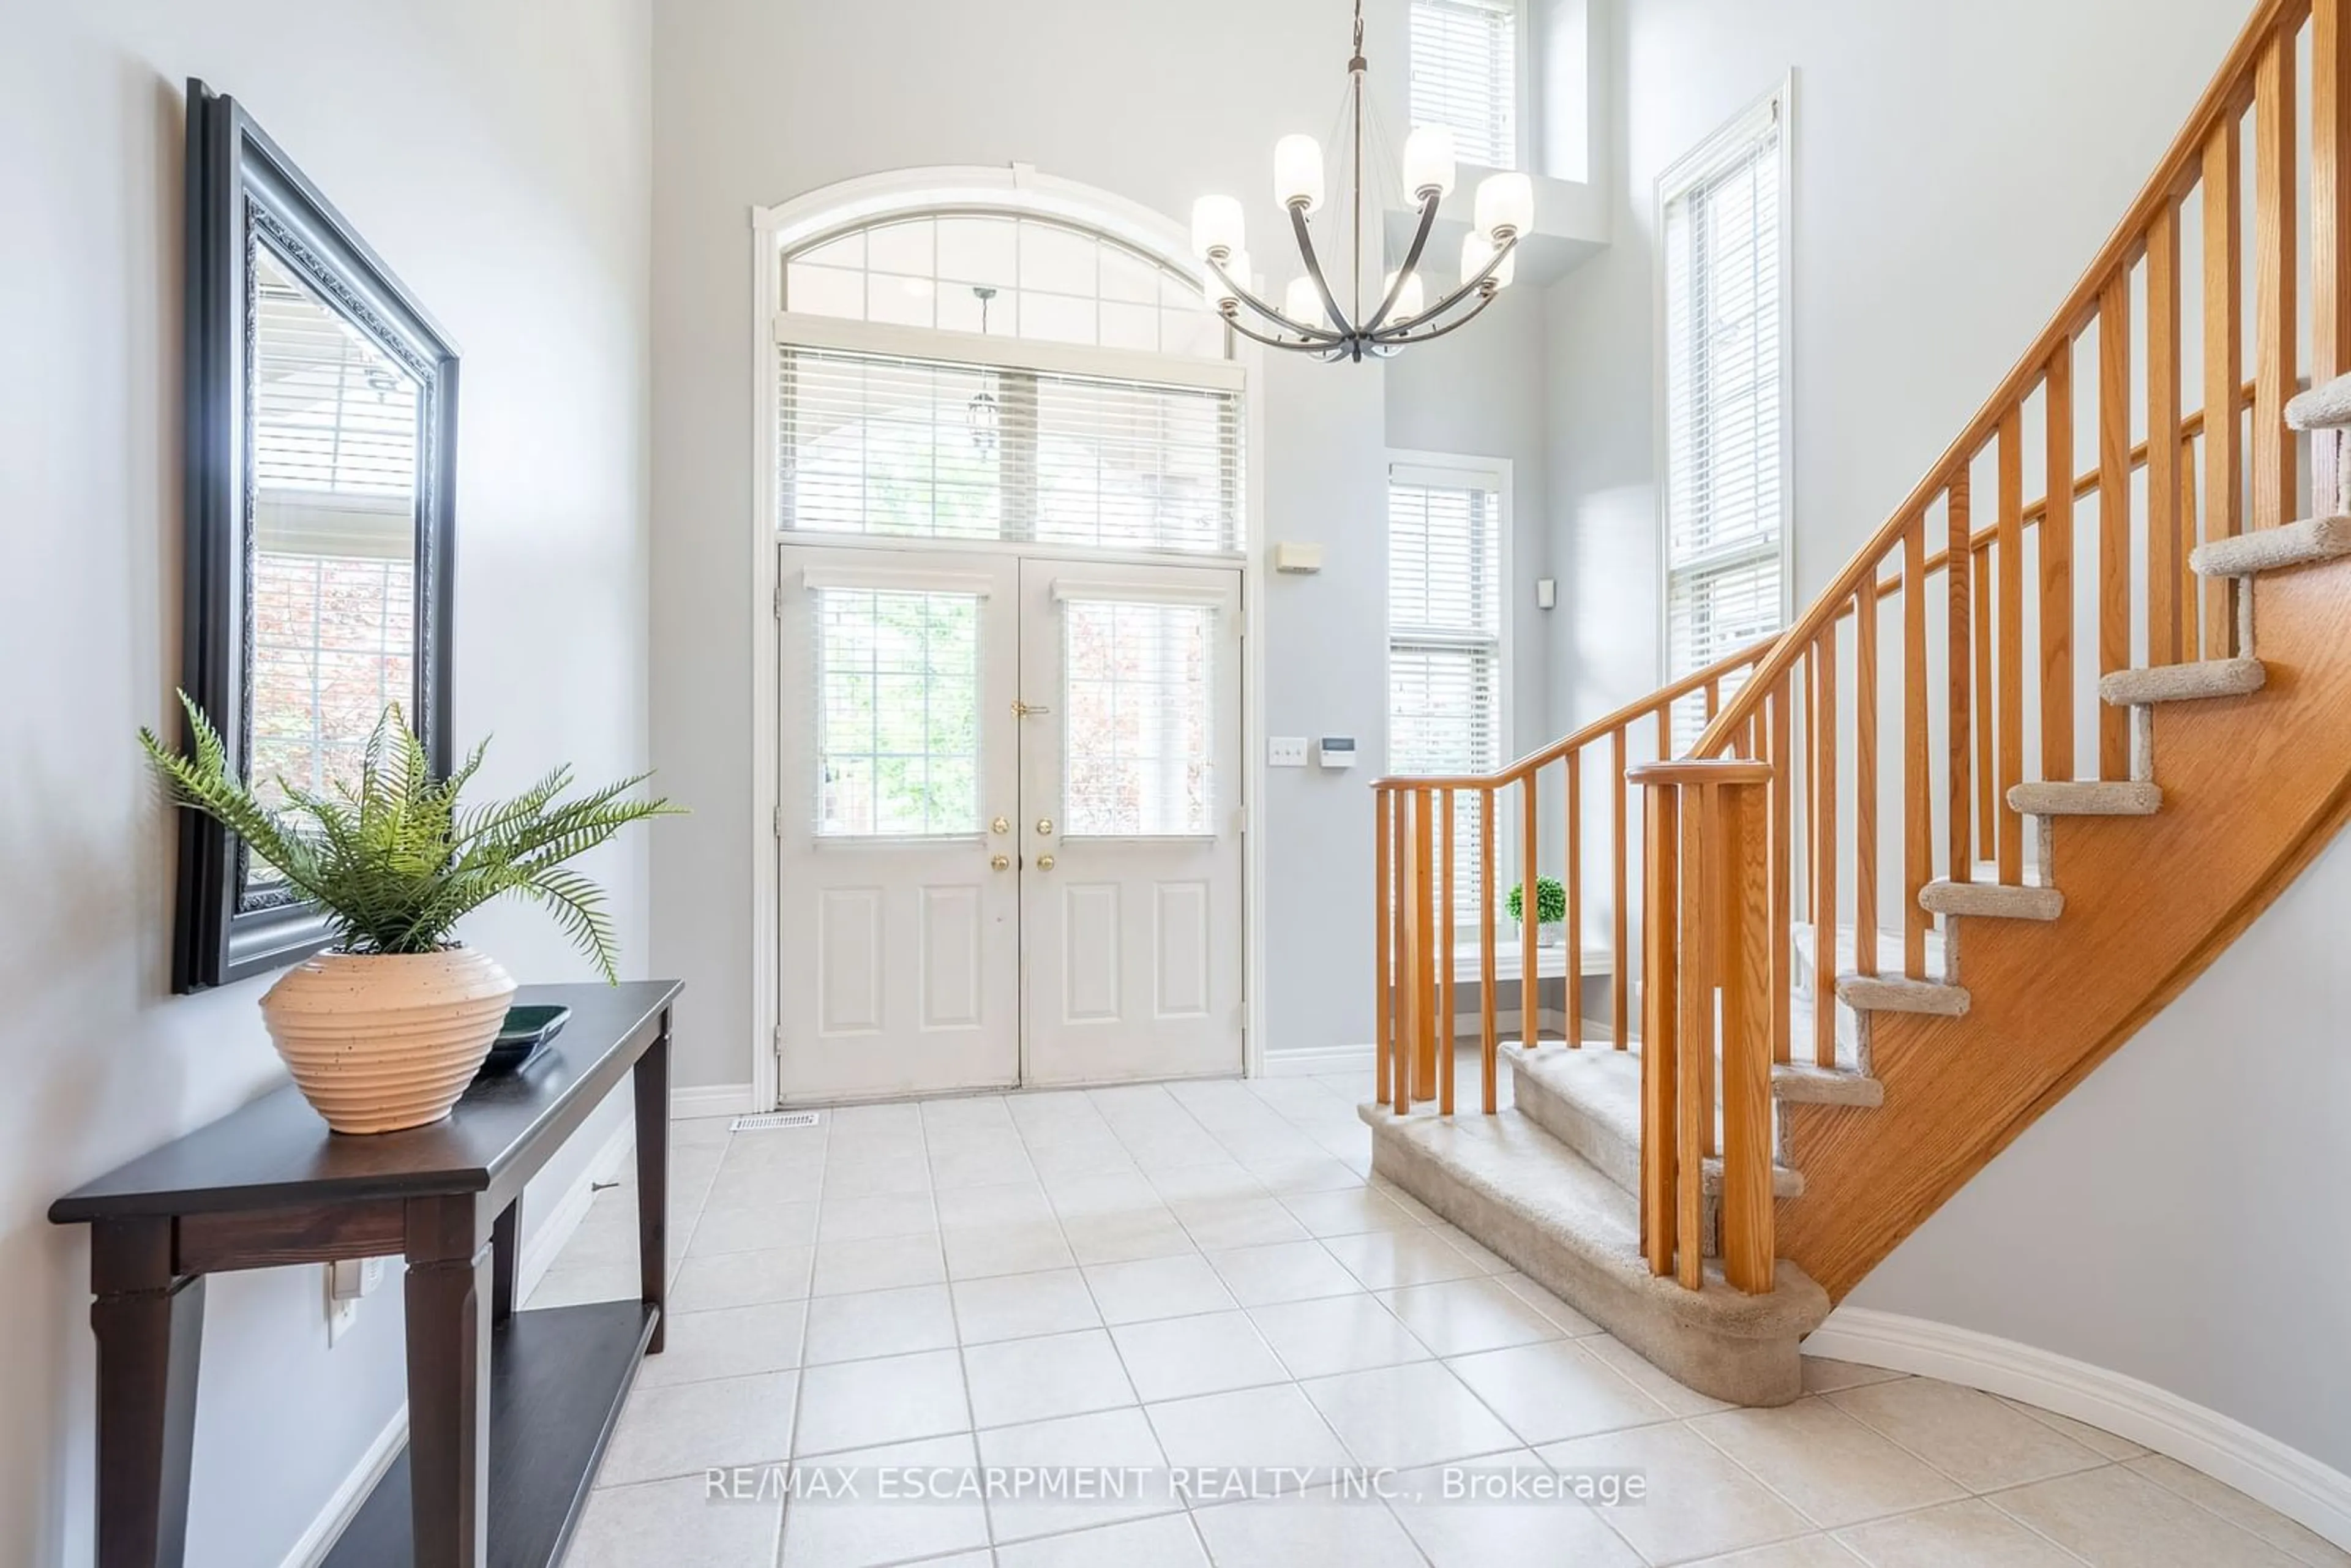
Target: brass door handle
[1044, 863]
[999, 863]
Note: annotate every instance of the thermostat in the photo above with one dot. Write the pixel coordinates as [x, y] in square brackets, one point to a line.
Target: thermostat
[1337, 750]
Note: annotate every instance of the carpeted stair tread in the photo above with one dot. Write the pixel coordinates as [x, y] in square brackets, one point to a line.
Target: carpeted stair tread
[1589, 1099]
[1896, 994]
[1803, 1083]
[2321, 407]
[1547, 1212]
[2191, 682]
[2273, 549]
[2087, 797]
[1999, 900]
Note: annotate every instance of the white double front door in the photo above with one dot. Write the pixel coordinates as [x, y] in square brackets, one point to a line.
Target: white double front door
[1010, 822]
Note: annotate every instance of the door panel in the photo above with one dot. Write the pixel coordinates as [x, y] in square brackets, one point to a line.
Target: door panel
[1080, 721]
[1129, 762]
[1181, 962]
[1090, 972]
[848, 961]
[900, 966]
[953, 925]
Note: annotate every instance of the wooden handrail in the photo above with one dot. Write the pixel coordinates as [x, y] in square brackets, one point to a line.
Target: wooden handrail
[1598, 729]
[1700, 771]
[2084, 487]
[2231, 92]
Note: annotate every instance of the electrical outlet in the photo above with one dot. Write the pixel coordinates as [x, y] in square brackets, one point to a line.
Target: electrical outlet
[348, 1280]
[1286, 751]
[342, 1298]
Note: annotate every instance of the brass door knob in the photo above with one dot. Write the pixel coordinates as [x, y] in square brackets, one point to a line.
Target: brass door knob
[1045, 825]
[1001, 825]
[1044, 863]
[999, 863]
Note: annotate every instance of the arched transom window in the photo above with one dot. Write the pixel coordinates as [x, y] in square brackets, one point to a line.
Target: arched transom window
[1008, 276]
[966, 375]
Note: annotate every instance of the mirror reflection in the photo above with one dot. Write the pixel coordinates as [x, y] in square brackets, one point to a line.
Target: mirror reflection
[334, 444]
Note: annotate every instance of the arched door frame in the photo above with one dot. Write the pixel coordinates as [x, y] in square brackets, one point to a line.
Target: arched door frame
[1017, 191]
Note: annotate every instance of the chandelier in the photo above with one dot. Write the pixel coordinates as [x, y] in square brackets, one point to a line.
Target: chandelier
[1311, 320]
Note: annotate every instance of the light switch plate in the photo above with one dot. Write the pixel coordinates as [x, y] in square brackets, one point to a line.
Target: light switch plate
[1285, 751]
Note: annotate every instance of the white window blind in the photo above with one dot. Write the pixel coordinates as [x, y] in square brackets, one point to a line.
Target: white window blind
[873, 443]
[1444, 642]
[1725, 511]
[1465, 75]
[1135, 757]
[330, 411]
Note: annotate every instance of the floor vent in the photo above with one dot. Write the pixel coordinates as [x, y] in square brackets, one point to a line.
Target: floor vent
[774, 1120]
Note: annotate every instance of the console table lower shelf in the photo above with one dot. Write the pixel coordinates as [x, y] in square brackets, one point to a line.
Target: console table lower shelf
[557, 1376]
[508, 1412]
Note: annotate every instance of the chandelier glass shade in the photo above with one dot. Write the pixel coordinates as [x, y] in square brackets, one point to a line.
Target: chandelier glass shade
[1312, 318]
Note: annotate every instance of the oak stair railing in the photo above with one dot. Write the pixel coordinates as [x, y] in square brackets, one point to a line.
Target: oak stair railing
[1958, 638]
[1423, 835]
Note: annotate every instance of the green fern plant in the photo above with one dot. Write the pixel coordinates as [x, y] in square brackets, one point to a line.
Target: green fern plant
[396, 861]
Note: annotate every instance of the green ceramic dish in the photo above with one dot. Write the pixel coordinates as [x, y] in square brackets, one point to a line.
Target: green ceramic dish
[521, 1036]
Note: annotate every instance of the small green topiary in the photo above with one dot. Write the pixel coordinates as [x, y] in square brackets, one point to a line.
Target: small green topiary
[1550, 900]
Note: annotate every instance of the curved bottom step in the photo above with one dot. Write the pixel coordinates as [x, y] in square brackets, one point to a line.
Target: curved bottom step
[1533, 1202]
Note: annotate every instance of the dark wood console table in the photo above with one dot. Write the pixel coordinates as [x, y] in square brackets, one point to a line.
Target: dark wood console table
[507, 1411]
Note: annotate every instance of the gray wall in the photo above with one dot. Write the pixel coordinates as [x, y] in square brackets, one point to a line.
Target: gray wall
[497, 156]
[1935, 230]
[2160, 1222]
[2180, 1217]
[756, 103]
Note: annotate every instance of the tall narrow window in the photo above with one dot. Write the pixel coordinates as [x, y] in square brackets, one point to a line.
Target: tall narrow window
[1465, 75]
[1444, 637]
[1725, 220]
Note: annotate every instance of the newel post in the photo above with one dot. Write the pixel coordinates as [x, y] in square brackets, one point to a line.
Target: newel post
[1707, 1016]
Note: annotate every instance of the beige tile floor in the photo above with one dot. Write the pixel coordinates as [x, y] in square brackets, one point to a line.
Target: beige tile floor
[1202, 1275]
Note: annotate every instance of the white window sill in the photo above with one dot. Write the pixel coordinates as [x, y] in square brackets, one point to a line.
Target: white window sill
[1550, 963]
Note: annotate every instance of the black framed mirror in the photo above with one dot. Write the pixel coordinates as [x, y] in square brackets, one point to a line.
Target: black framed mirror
[321, 445]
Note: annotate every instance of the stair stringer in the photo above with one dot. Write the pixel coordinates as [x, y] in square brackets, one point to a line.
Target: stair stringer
[2253, 788]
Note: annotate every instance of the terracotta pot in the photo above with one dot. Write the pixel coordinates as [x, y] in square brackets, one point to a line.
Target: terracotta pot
[381, 1041]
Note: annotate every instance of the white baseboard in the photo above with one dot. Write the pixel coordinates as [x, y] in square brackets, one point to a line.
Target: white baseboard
[711, 1100]
[547, 1239]
[325, 1530]
[2305, 1490]
[1320, 1060]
